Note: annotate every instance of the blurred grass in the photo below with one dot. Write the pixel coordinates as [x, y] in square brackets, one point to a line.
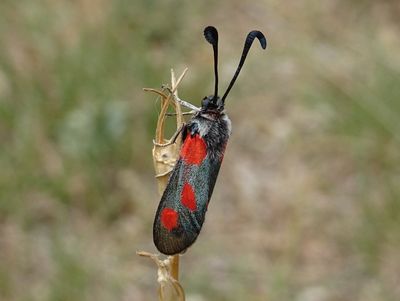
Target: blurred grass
[307, 205]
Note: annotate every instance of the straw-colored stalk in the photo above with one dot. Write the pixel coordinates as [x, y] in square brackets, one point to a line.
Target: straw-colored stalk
[165, 155]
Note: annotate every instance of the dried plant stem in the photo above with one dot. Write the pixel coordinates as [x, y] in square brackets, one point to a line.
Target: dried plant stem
[169, 289]
[165, 155]
[179, 121]
[175, 267]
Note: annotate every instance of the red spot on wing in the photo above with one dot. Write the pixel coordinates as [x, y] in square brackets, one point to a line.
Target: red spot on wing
[188, 198]
[194, 149]
[169, 218]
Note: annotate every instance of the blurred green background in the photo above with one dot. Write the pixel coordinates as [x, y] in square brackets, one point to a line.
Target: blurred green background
[307, 204]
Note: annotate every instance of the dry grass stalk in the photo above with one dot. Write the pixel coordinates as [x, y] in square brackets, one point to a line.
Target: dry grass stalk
[165, 155]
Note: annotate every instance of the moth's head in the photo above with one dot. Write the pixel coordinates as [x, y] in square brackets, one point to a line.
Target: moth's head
[210, 103]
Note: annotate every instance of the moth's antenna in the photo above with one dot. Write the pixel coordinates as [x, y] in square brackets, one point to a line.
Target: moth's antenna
[211, 35]
[247, 44]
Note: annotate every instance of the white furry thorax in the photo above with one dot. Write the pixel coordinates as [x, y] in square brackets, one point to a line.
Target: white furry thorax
[206, 121]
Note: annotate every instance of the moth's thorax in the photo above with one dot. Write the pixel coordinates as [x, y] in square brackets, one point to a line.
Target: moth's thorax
[215, 130]
[213, 123]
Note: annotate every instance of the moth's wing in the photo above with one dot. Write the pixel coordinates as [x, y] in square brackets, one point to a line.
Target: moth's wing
[194, 206]
[168, 234]
[181, 212]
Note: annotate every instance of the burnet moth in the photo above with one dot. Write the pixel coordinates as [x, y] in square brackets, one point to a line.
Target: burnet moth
[181, 212]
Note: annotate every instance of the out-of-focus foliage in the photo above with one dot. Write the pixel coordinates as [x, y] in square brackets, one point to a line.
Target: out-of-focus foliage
[307, 205]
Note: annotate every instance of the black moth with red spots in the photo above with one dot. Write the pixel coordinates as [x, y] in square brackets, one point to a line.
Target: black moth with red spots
[181, 212]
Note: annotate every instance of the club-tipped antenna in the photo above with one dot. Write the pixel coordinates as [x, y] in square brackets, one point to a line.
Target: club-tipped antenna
[247, 44]
[211, 35]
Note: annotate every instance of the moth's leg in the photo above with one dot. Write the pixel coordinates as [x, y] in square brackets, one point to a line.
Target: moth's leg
[180, 130]
[186, 104]
[183, 113]
[181, 101]
[173, 138]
